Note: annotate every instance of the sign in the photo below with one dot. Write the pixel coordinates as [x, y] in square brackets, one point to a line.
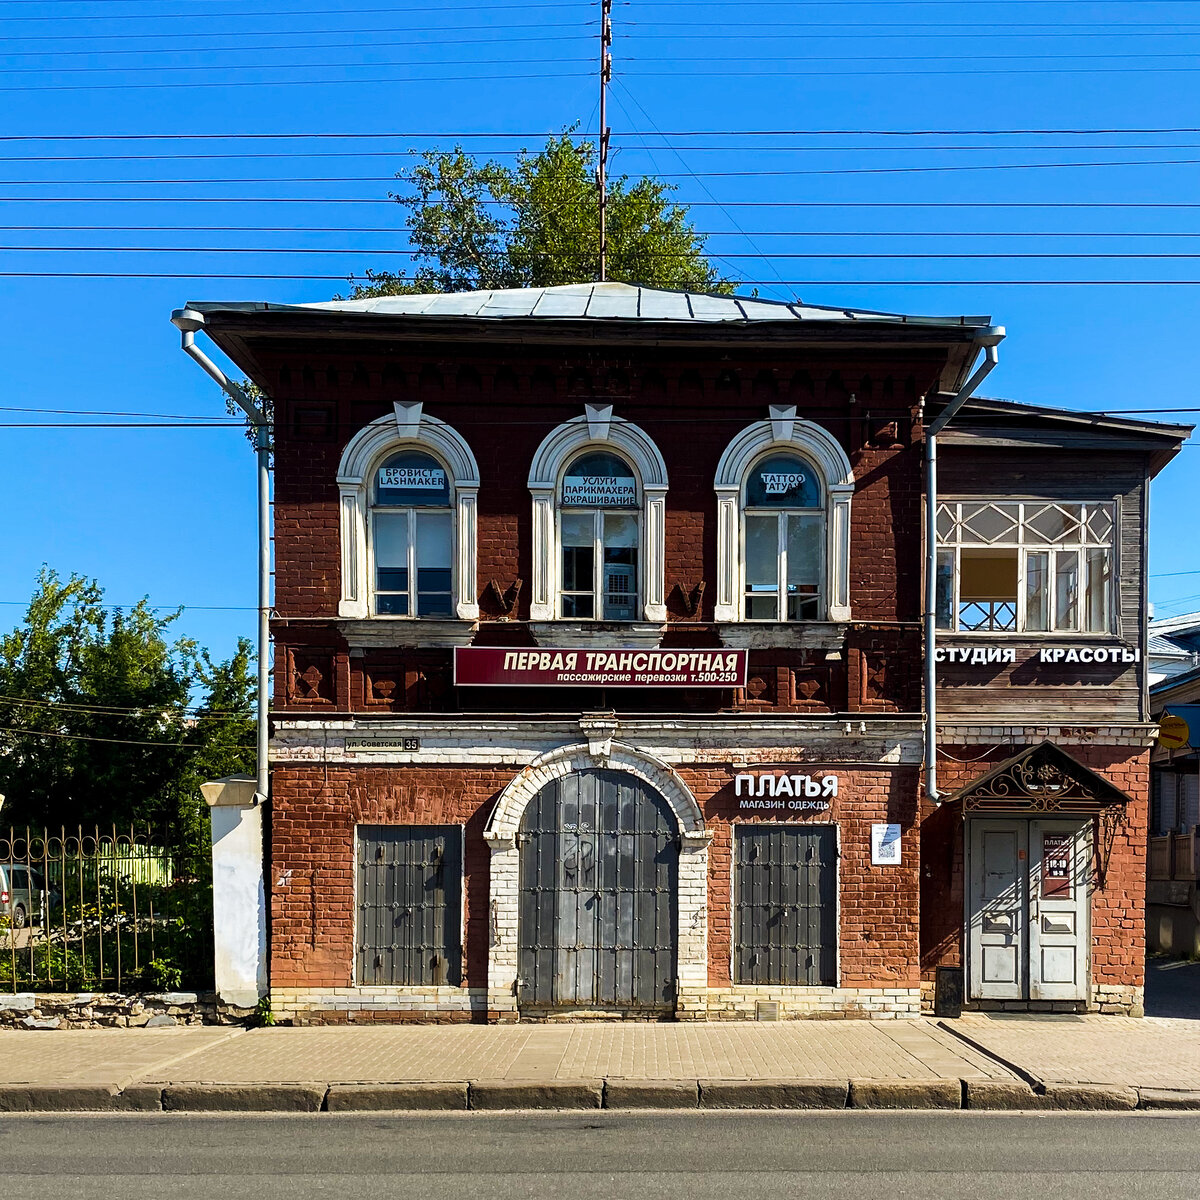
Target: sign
[496, 666]
[796, 793]
[779, 483]
[1173, 732]
[421, 478]
[885, 845]
[372, 745]
[599, 491]
[1056, 865]
[983, 656]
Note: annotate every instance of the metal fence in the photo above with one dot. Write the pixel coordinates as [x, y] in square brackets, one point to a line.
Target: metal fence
[101, 910]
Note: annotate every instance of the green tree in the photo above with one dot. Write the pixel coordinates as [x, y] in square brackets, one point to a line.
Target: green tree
[106, 717]
[481, 224]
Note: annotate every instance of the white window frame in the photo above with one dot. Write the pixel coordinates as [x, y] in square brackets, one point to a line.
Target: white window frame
[406, 428]
[412, 511]
[598, 514]
[781, 561]
[1018, 543]
[783, 433]
[597, 429]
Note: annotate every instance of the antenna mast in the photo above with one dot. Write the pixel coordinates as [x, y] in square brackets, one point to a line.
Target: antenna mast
[602, 137]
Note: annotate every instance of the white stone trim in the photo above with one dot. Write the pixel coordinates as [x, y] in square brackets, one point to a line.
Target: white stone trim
[406, 426]
[597, 428]
[692, 896]
[784, 431]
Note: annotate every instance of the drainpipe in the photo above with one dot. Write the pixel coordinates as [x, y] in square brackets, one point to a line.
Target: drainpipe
[989, 339]
[188, 321]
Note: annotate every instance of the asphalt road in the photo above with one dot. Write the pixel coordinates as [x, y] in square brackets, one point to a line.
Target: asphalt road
[602, 1156]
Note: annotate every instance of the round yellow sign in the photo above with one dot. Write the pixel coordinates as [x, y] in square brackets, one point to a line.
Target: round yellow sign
[1173, 732]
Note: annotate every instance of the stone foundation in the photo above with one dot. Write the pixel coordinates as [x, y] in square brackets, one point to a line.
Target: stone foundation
[115, 1010]
[791, 1003]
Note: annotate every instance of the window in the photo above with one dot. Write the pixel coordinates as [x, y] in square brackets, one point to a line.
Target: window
[598, 539]
[784, 492]
[784, 516]
[786, 895]
[409, 904]
[1031, 566]
[412, 537]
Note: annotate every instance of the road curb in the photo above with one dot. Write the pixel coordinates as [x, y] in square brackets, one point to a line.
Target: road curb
[396, 1097]
[906, 1093]
[774, 1093]
[1000, 1095]
[536, 1094]
[24, 1097]
[1168, 1098]
[651, 1093]
[243, 1097]
[1091, 1097]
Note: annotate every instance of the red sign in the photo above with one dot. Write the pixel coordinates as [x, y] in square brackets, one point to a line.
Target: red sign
[497, 666]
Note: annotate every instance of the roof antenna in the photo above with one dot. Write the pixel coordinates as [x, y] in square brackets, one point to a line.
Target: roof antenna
[603, 134]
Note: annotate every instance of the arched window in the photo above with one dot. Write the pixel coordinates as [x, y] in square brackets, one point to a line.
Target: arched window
[599, 535]
[784, 488]
[408, 486]
[599, 488]
[783, 516]
[412, 537]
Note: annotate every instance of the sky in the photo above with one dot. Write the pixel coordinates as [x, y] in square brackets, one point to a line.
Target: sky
[918, 155]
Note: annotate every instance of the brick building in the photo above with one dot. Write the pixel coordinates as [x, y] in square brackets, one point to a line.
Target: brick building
[599, 651]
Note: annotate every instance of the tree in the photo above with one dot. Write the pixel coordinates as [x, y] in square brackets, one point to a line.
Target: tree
[98, 723]
[480, 224]
[477, 225]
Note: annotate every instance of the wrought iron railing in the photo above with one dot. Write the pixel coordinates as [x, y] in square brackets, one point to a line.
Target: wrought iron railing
[102, 909]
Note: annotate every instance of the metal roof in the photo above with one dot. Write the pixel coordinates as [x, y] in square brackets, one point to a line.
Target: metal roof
[598, 301]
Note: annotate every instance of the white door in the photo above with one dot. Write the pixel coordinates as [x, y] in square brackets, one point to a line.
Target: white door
[996, 934]
[1059, 933]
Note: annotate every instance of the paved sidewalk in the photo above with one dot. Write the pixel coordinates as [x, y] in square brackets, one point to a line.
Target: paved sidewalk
[999, 1061]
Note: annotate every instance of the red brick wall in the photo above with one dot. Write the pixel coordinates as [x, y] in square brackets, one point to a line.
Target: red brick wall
[314, 812]
[877, 934]
[1118, 922]
[505, 406]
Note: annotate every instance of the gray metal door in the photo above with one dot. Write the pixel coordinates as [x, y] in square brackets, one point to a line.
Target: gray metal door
[597, 917]
[786, 890]
[409, 892]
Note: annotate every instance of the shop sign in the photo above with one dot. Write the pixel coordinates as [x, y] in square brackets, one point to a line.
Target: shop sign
[421, 478]
[494, 666]
[885, 845]
[780, 483]
[982, 656]
[796, 793]
[599, 491]
[382, 745]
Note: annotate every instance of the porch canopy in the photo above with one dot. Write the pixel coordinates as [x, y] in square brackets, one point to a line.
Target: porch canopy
[1041, 779]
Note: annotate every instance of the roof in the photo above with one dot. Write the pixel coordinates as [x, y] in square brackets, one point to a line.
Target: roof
[598, 302]
[1161, 647]
[1168, 626]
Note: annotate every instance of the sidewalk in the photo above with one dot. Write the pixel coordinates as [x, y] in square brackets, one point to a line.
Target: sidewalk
[1005, 1061]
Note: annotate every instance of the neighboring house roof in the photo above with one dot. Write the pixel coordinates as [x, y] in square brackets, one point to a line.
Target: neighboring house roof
[1182, 624]
[1183, 687]
[596, 302]
[1160, 647]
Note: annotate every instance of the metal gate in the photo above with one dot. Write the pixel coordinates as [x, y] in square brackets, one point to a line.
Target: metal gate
[597, 920]
[409, 888]
[786, 930]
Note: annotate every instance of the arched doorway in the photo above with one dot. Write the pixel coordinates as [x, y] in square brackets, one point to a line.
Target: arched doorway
[597, 921]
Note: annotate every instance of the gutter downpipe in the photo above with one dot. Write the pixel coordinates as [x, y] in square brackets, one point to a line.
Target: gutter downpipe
[188, 321]
[989, 339]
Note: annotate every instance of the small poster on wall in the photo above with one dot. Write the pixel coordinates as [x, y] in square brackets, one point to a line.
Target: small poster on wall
[885, 845]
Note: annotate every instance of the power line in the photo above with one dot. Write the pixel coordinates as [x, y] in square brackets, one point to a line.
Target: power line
[702, 233]
[750, 174]
[80, 737]
[239, 83]
[191, 712]
[922, 256]
[674, 133]
[722, 204]
[164, 275]
[274, 66]
[332, 12]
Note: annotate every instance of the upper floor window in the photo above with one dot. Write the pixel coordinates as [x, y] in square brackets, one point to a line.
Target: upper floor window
[412, 537]
[784, 519]
[1025, 566]
[599, 489]
[408, 487]
[599, 536]
[784, 490]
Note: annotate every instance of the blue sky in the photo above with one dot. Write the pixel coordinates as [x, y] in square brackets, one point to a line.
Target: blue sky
[169, 513]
